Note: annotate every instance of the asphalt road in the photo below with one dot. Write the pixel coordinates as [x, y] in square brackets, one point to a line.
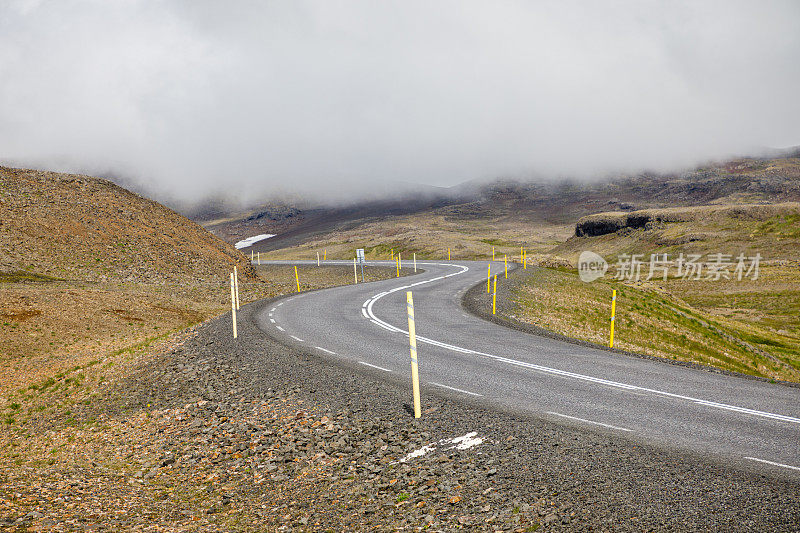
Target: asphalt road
[750, 423]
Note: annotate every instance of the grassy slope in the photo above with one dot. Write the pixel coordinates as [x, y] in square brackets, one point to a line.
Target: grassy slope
[750, 326]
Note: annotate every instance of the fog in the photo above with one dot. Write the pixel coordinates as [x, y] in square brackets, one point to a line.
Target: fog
[334, 100]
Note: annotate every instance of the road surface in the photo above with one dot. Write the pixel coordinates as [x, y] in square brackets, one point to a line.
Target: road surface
[741, 421]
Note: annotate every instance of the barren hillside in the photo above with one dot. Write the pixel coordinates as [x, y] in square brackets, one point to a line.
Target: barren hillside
[84, 228]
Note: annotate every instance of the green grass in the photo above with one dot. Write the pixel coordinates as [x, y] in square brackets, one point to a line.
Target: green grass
[655, 323]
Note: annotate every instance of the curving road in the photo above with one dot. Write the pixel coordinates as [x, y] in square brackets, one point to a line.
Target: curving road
[746, 422]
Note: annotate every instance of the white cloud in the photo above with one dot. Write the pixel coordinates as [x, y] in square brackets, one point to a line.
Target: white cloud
[305, 96]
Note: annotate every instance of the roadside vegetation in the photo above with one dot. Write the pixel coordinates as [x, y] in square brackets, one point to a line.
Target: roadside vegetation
[738, 326]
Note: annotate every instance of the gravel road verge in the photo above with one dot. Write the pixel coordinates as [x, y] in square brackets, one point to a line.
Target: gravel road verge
[249, 434]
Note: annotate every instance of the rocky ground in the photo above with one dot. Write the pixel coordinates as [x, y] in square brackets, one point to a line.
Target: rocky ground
[210, 434]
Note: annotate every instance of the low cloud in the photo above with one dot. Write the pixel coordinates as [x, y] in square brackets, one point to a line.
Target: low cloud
[339, 99]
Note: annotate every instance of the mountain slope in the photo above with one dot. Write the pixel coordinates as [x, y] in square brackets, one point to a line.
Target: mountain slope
[80, 227]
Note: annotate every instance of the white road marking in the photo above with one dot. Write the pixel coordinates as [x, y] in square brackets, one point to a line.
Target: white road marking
[298, 339]
[280, 304]
[272, 320]
[270, 315]
[374, 366]
[324, 350]
[385, 325]
[280, 328]
[272, 310]
[455, 389]
[589, 421]
[773, 463]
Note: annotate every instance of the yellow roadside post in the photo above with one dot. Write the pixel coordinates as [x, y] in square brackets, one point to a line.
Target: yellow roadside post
[613, 311]
[412, 340]
[251, 256]
[448, 254]
[297, 279]
[520, 254]
[258, 255]
[415, 261]
[397, 264]
[492, 253]
[488, 278]
[325, 257]
[393, 254]
[399, 260]
[236, 285]
[525, 260]
[505, 260]
[355, 270]
[494, 295]
[233, 307]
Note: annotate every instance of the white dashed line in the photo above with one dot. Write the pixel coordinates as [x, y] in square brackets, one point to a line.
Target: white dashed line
[272, 310]
[455, 389]
[272, 320]
[280, 328]
[773, 463]
[298, 339]
[589, 421]
[374, 366]
[324, 350]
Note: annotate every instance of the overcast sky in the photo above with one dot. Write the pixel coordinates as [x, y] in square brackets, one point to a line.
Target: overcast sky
[338, 97]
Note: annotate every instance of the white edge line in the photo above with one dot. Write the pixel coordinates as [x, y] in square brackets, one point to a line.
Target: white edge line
[589, 421]
[272, 320]
[454, 389]
[773, 463]
[297, 338]
[374, 366]
[280, 328]
[324, 350]
[385, 325]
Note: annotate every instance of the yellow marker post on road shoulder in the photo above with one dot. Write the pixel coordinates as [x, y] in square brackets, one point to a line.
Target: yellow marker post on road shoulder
[355, 270]
[412, 340]
[520, 254]
[297, 279]
[397, 264]
[492, 253]
[494, 296]
[251, 256]
[505, 260]
[613, 311]
[258, 255]
[236, 285]
[488, 278]
[448, 254]
[325, 256]
[393, 254]
[525, 260]
[233, 307]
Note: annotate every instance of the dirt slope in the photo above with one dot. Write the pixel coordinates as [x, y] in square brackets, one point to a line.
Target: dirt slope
[79, 227]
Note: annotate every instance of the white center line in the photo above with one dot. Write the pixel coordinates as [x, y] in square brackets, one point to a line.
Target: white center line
[272, 310]
[454, 389]
[589, 421]
[272, 320]
[625, 386]
[298, 339]
[324, 350]
[280, 328]
[374, 366]
[773, 463]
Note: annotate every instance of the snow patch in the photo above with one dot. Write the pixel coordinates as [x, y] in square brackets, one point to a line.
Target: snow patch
[250, 241]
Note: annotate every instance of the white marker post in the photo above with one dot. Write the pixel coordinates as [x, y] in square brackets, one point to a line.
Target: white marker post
[236, 285]
[355, 270]
[258, 254]
[412, 339]
[415, 261]
[233, 307]
[317, 258]
[361, 261]
[251, 256]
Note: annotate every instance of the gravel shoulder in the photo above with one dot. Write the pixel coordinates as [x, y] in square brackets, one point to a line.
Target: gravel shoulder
[205, 432]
